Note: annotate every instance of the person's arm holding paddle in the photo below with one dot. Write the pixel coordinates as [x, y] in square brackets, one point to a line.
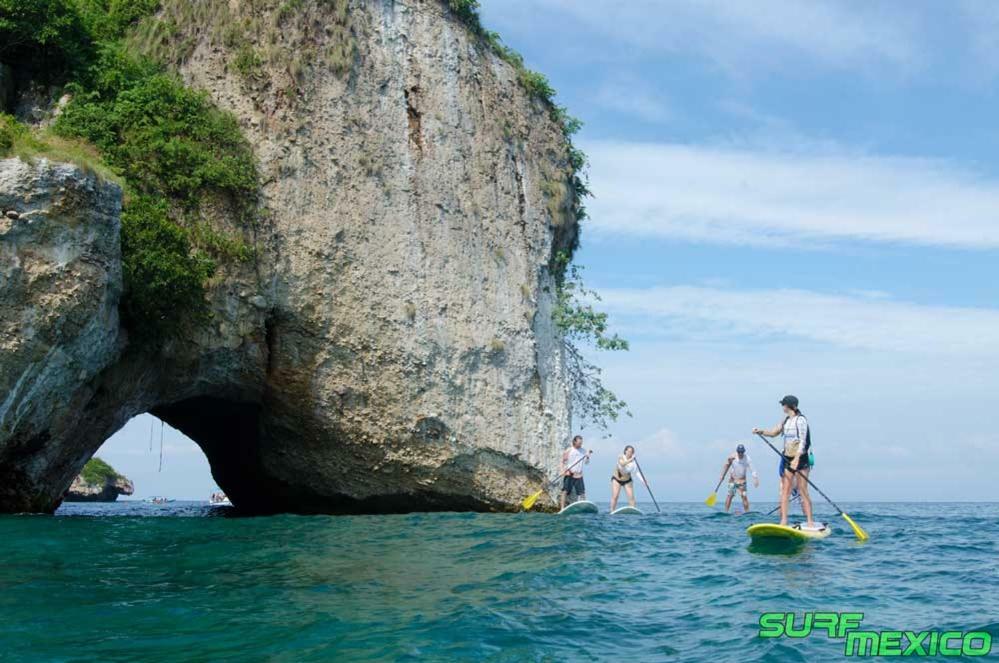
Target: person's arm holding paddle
[713, 497]
[771, 432]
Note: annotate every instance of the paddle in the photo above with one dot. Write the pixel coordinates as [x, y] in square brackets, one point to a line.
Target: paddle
[647, 487]
[713, 497]
[796, 496]
[531, 499]
[857, 530]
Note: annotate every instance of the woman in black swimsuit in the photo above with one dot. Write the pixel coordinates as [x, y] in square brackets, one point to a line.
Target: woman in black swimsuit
[622, 477]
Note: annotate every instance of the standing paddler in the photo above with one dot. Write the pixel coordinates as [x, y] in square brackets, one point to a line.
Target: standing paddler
[623, 477]
[573, 460]
[738, 465]
[797, 442]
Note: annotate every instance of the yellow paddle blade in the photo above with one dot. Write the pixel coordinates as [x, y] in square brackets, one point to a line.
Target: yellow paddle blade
[712, 498]
[857, 529]
[529, 501]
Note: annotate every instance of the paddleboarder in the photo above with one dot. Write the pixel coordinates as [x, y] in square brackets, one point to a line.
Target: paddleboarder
[573, 460]
[737, 465]
[623, 477]
[797, 442]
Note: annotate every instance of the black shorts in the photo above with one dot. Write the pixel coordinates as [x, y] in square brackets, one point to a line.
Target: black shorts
[570, 483]
[620, 481]
[803, 463]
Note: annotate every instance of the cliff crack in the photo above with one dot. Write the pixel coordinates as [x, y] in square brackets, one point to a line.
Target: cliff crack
[414, 115]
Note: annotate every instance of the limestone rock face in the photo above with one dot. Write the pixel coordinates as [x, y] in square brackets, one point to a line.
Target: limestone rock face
[107, 490]
[60, 282]
[391, 348]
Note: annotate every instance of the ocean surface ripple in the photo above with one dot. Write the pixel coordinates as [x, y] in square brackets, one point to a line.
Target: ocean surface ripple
[112, 582]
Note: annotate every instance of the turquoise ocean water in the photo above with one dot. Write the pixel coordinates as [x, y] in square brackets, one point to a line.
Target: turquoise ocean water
[114, 583]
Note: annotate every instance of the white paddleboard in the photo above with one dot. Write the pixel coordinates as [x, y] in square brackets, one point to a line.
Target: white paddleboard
[626, 511]
[581, 506]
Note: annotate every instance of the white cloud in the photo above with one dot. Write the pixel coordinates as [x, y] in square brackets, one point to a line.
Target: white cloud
[719, 194]
[838, 320]
[737, 36]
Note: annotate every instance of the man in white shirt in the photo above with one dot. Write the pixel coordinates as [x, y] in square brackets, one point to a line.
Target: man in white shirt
[737, 465]
[573, 460]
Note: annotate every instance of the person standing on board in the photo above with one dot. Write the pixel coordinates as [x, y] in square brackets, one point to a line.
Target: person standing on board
[737, 465]
[623, 477]
[797, 443]
[573, 460]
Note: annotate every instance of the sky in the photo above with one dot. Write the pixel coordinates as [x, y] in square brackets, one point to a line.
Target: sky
[788, 198]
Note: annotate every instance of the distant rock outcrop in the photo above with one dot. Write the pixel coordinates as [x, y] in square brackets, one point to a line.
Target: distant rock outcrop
[98, 482]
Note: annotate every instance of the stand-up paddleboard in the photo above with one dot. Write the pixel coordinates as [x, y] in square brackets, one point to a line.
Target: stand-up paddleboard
[770, 531]
[582, 506]
[626, 511]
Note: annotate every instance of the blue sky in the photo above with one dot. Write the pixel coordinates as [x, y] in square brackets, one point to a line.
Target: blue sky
[789, 197]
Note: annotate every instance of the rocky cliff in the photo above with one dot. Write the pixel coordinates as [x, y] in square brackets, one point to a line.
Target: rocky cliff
[98, 482]
[391, 345]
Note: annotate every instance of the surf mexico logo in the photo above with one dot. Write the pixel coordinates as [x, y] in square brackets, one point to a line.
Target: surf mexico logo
[857, 642]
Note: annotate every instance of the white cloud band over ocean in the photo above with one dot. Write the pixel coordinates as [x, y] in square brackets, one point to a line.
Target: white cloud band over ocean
[739, 196]
[863, 322]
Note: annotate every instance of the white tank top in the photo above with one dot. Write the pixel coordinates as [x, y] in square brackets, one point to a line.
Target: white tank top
[796, 428]
[574, 458]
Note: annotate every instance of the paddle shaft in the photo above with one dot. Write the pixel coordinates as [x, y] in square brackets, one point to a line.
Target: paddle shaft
[778, 506]
[835, 506]
[658, 510]
[722, 476]
[556, 479]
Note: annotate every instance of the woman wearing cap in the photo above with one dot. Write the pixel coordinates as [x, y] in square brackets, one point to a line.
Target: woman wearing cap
[797, 443]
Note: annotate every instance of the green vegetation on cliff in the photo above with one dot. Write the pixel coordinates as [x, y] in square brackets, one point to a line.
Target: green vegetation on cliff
[175, 152]
[20, 141]
[97, 472]
[46, 38]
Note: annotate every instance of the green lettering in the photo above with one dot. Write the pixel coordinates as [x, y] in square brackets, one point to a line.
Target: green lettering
[806, 626]
[934, 636]
[982, 649]
[891, 643]
[947, 650]
[827, 621]
[771, 624]
[866, 643]
[849, 621]
[915, 647]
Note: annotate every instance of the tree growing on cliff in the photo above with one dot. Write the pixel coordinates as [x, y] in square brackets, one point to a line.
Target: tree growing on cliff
[581, 323]
[97, 471]
[43, 39]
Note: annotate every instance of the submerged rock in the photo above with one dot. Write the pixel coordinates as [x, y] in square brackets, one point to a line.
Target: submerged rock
[391, 345]
[98, 482]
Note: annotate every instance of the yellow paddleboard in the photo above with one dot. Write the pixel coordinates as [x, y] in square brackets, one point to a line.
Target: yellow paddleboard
[762, 531]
